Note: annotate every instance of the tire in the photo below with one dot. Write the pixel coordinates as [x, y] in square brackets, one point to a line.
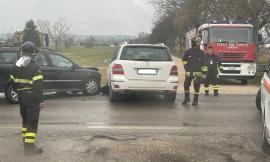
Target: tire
[113, 96]
[265, 144]
[11, 95]
[244, 82]
[169, 96]
[258, 100]
[91, 87]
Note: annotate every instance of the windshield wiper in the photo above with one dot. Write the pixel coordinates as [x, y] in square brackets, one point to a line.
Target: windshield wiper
[240, 42]
[140, 60]
[222, 41]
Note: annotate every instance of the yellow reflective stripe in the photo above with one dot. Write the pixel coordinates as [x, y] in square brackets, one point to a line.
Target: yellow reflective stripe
[197, 74]
[30, 140]
[204, 68]
[30, 134]
[220, 67]
[24, 129]
[184, 62]
[196, 92]
[38, 77]
[12, 77]
[22, 89]
[188, 74]
[23, 81]
[206, 88]
[215, 87]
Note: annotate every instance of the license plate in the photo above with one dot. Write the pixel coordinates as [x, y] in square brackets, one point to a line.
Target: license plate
[147, 71]
[231, 68]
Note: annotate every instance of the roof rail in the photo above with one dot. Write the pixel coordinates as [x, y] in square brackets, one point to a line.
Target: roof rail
[161, 44]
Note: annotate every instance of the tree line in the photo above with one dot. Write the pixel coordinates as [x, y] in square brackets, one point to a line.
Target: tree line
[176, 17]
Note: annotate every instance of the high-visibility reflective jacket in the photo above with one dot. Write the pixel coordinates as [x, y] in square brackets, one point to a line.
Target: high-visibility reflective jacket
[194, 60]
[28, 78]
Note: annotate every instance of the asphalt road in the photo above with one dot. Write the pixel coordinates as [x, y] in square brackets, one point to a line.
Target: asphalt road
[140, 128]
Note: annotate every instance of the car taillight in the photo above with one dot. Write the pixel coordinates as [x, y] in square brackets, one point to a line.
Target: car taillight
[118, 69]
[174, 71]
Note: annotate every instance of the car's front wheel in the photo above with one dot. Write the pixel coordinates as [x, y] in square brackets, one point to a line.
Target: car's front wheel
[169, 96]
[11, 95]
[91, 87]
[258, 100]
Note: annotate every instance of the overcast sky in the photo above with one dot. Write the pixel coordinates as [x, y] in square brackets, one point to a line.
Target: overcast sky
[95, 17]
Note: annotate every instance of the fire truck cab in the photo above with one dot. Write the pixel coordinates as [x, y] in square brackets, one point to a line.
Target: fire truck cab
[234, 44]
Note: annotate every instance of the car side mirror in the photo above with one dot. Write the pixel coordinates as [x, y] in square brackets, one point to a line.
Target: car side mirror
[75, 66]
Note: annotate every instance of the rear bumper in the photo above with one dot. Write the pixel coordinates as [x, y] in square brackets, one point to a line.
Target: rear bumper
[121, 84]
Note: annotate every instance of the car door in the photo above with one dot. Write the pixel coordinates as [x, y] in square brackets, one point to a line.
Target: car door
[49, 72]
[69, 77]
[7, 61]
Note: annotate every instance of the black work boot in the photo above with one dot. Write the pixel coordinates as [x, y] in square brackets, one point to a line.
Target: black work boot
[187, 99]
[31, 149]
[206, 92]
[195, 100]
[216, 92]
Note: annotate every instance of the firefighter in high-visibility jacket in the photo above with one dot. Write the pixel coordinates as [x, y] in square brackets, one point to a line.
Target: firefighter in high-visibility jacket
[214, 65]
[27, 80]
[193, 61]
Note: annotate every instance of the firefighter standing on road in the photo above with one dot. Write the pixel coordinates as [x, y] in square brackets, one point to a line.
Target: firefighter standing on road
[214, 65]
[27, 81]
[193, 61]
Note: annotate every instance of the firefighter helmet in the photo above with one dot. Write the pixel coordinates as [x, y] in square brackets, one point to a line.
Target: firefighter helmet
[28, 48]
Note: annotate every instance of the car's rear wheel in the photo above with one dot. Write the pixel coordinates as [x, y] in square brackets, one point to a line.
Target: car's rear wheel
[265, 144]
[91, 87]
[258, 100]
[11, 95]
[113, 96]
[169, 96]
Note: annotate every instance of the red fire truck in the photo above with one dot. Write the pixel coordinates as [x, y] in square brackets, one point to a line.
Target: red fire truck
[234, 43]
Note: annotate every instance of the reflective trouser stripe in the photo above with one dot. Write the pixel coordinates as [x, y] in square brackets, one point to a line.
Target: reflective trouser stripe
[30, 138]
[24, 132]
[204, 68]
[215, 87]
[187, 91]
[206, 88]
[188, 74]
[197, 93]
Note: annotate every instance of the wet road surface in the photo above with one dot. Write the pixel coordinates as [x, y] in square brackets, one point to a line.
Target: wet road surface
[139, 128]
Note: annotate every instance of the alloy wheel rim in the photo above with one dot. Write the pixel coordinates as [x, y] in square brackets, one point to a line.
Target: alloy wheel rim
[91, 87]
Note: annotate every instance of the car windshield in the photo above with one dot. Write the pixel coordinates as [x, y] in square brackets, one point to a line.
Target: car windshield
[231, 35]
[142, 53]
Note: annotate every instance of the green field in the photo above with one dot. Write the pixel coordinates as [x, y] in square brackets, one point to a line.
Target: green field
[94, 57]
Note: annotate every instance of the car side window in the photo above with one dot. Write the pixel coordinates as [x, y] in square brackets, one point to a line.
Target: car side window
[40, 59]
[8, 57]
[115, 54]
[60, 61]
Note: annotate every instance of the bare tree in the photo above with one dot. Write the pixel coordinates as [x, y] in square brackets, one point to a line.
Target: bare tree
[59, 31]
